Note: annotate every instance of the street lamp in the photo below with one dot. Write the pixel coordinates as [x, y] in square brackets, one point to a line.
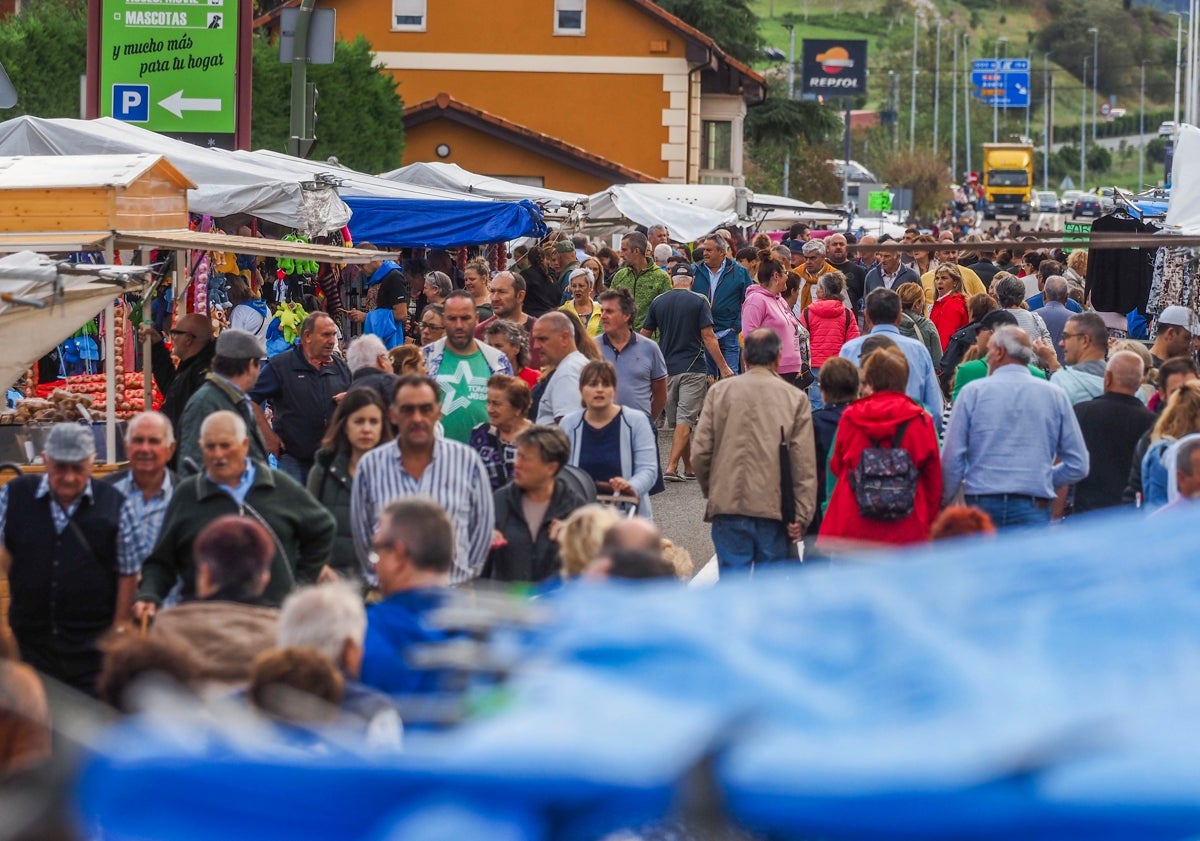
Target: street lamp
[787, 158]
[1142, 135]
[1002, 89]
[1095, 33]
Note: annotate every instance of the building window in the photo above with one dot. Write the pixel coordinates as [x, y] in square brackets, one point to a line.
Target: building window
[570, 17]
[408, 15]
[716, 150]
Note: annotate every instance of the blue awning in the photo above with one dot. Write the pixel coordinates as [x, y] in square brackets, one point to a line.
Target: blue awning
[414, 223]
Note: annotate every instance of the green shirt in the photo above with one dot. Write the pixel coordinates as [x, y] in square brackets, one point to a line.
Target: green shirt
[464, 393]
[645, 286]
[976, 369]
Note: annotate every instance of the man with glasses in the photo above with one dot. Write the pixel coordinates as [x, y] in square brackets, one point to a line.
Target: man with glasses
[192, 344]
[1085, 343]
[422, 464]
[235, 369]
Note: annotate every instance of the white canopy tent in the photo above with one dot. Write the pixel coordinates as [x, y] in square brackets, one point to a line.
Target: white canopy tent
[1183, 212]
[461, 181]
[228, 185]
[623, 205]
[766, 212]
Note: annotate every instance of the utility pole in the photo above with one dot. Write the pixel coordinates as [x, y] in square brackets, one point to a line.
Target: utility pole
[954, 113]
[787, 158]
[1178, 60]
[1003, 85]
[1047, 141]
[304, 95]
[937, 84]
[1095, 33]
[912, 106]
[1083, 129]
[967, 99]
[893, 101]
[1142, 135]
[1028, 98]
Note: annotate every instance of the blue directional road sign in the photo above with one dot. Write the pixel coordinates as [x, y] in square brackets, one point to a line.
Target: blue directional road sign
[1002, 83]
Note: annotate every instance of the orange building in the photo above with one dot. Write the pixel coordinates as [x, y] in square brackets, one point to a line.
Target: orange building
[566, 94]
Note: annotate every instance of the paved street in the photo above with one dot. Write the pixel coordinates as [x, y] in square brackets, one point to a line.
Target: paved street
[679, 511]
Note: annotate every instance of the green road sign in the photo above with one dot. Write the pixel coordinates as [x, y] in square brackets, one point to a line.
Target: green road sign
[880, 200]
[1075, 228]
[170, 65]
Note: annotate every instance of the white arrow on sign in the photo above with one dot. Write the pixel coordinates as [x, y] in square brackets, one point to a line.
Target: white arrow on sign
[176, 103]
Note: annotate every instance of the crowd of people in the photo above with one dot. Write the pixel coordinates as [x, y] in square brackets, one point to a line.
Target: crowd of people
[289, 526]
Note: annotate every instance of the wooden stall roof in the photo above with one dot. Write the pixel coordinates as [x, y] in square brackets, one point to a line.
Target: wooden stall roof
[184, 239]
[53, 241]
[25, 172]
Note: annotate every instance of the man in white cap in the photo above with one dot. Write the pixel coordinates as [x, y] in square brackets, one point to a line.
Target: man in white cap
[1177, 327]
[61, 535]
[235, 369]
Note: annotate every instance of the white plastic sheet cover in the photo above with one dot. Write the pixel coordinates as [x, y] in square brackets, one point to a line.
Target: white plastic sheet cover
[226, 186]
[1184, 210]
[664, 204]
[453, 177]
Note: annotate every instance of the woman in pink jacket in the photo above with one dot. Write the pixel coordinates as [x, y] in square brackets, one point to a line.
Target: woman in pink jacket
[830, 324]
[764, 307]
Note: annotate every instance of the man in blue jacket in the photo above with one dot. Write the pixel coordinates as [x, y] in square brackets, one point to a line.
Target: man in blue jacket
[724, 282]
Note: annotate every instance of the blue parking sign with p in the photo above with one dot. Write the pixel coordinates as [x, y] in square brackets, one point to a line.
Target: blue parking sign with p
[131, 103]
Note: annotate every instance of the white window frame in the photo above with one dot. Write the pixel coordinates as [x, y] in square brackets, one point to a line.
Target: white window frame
[571, 6]
[409, 8]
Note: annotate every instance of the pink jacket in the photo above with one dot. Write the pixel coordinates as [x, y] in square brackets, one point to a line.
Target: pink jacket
[828, 328]
[762, 308]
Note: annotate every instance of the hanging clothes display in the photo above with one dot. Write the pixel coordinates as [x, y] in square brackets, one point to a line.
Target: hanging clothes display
[1173, 282]
[1118, 279]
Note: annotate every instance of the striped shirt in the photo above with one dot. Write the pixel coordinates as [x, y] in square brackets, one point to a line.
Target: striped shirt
[456, 479]
[141, 521]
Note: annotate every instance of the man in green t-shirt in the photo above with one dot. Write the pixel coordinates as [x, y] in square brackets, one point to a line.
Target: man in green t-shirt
[640, 276]
[462, 368]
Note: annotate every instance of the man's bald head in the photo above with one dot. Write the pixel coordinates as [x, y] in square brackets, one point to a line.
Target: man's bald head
[1056, 289]
[1123, 374]
[634, 533]
[190, 335]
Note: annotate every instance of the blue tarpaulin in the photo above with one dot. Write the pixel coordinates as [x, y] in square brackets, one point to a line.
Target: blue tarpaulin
[413, 223]
[1034, 686]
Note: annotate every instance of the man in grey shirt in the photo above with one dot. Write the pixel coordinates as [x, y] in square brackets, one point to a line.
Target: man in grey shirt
[641, 369]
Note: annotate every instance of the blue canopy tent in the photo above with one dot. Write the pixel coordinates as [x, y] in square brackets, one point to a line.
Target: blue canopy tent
[1033, 686]
[414, 223]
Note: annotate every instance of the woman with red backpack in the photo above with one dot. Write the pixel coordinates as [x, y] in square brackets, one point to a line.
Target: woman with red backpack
[885, 458]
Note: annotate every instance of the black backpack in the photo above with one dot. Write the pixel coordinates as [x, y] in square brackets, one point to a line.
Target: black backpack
[885, 480]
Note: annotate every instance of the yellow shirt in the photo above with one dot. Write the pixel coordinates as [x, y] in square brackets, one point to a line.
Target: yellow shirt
[972, 285]
[592, 322]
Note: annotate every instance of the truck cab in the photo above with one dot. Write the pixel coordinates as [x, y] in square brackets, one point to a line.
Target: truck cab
[1007, 180]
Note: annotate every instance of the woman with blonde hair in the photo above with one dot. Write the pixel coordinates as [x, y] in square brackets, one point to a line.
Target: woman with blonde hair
[407, 359]
[915, 324]
[1180, 419]
[949, 313]
[581, 284]
[476, 275]
[581, 534]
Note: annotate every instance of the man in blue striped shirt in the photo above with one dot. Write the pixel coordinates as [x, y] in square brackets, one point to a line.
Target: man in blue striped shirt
[420, 463]
[147, 487]
[1005, 435]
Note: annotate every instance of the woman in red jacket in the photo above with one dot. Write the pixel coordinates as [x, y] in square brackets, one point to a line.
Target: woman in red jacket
[949, 313]
[870, 422]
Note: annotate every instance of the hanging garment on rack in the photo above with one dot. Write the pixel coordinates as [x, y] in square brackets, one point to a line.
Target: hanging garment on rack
[1118, 279]
[1174, 283]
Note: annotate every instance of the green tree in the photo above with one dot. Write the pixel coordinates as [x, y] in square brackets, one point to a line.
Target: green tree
[360, 116]
[805, 130]
[44, 49]
[1099, 159]
[731, 23]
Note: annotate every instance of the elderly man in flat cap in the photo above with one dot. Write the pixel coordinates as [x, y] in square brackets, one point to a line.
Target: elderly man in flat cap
[61, 534]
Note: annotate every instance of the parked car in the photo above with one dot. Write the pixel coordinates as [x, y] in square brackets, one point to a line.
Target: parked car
[1046, 201]
[1087, 205]
[1068, 200]
[1166, 129]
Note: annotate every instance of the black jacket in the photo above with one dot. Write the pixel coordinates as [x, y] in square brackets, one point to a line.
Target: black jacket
[329, 482]
[524, 558]
[1111, 424]
[179, 384]
[956, 348]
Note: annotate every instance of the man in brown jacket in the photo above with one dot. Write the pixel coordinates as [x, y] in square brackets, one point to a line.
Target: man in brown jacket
[735, 450]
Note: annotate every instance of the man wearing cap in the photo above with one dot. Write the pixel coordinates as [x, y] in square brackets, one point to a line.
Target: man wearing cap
[61, 533]
[641, 369]
[724, 282]
[810, 271]
[303, 385]
[684, 323]
[565, 262]
[192, 344]
[639, 275]
[1177, 326]
[232, 482]
[235, 368]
